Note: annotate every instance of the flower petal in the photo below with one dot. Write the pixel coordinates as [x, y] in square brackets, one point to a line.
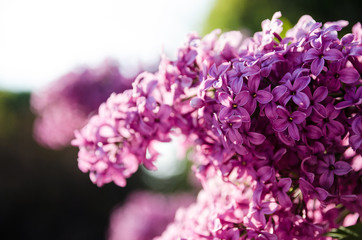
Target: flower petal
[344, 104]
[333, 55]
[235, 136]
[322, 194]
[311, 54]
[256, 138]
[355, 141]
[242, 98]
[320, 110]
[301, 83]
[284, 200]
[293, 131]
[301, 99]
[320, 94]
[224, 112]
[326, 180]
[263, 96]
[280, 125]
[317, 66]
[342, 168]
[313, 132]
[278, 92]
[224, 98]
[348, 75]
[298, 117]
[236, 85]
[285, 184]
[282, 112]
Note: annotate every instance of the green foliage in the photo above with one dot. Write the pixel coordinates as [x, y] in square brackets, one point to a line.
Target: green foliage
[11, 105]
[347, 233]
[245, 14]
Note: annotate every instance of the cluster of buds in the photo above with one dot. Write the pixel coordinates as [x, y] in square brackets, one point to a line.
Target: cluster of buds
[275, 124]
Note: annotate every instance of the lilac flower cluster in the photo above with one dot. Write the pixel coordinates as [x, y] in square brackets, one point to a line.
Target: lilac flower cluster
[66, 104]
[276, 122]
[145, 215]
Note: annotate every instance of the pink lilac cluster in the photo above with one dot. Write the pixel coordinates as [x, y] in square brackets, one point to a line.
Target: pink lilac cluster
[145, 215]
[276, 121]
[66, 104]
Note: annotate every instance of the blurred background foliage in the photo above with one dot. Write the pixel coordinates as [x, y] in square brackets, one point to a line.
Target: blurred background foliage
[248, 14]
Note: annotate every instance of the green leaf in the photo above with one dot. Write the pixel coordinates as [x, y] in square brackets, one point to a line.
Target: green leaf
[353, 232]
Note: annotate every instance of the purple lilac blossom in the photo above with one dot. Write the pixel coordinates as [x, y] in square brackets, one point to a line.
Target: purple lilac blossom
[66, 104]
[145, 215]
[269, 119]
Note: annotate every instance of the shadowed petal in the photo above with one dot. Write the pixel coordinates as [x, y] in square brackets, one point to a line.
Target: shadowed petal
[245, 117]
[355, 141]
[280, 125]
[278, 92]
[265, 173]
[282, 112]
[285, 184]
[270, 111]
[264, 96]
[322, 194]
[320, 94]
[256, 138]
[326, 180]
[348, 75]
[298, 117]
[293, 131]
[284, 199]
[342, 168]
[317, 66]
[344, 104]
[322, 167]
[207, 84]
[320, 110]
[313, 132]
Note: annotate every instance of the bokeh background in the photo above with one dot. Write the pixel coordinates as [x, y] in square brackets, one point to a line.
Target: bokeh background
[43, 194]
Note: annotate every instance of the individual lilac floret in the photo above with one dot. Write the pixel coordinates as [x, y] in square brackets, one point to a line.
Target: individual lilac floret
[215, 76]
[259, 210]
[289, 121]
[353, 97]
[311, 192]
[328, 168]
[66, 104]
[318, 96]
[255, 94]
[293, 87]
[318, 57]
[233, 105]
[281, 189]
